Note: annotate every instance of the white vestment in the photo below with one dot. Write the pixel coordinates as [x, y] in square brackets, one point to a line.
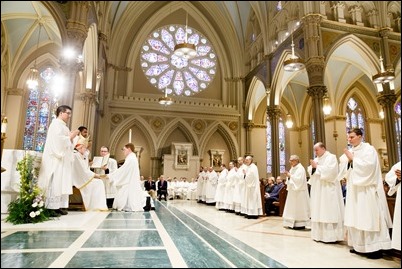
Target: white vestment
[327, 207]
[92, 189]
[231, 180]
[220, 189]
[238, 193]
[110, 190]
[126, 179]
[390, 178]
[200, 185]
[297, 207]
[55, 175]
[210, 187]
[253, 204]
[367, 216]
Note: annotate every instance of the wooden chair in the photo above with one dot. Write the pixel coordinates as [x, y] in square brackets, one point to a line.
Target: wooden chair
[280, 204]
[75, 200]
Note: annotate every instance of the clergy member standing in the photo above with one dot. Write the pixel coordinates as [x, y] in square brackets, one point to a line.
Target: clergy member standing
[129, 196]
[367, 216]
[253, 204]
[55, 174]
[296, 214]
[327, 207]
[393, 179]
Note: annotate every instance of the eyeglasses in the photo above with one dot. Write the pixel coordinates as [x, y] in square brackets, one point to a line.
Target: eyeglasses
[103, 151]
[68, 113]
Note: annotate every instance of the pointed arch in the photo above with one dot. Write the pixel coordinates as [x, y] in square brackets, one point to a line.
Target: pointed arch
[182, 126]
[225, 132]
[255, 96]
[124, 128]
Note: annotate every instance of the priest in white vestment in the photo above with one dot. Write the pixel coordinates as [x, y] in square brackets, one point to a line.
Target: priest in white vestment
[210, 186]
[231, 180]
[200, 184]
[253, 204]
[238, 193]
[393, 179]
[296, 213]
[91, 187]
[55, 174]
[367, 216]
[327, 207]
[220, 189]
[130, 196]
[109, 168]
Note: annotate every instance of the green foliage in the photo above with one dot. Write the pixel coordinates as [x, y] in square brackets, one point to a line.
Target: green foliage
[29, 206]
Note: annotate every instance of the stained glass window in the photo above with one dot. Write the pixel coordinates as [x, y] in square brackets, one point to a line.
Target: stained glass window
[398, 127]
[282, 151]
[282, 147]
[269, 147]
[179, 76]
[40, 110]
[354, 116]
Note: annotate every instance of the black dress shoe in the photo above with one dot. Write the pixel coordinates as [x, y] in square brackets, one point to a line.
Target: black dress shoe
[54, 213]
[62, 211]
[375, 255]
[352, 250]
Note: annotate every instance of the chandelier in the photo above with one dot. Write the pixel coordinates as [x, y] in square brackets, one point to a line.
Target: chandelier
[384, 76]
[326, 105]
[294, 63]
[289, 121]
[165, 100]
[33, 77]
[185, 50]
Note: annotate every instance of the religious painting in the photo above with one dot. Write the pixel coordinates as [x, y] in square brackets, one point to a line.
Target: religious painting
[182, 156]
[217, 160]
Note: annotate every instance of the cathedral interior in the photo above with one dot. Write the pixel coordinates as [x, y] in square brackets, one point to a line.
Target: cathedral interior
[268, 79]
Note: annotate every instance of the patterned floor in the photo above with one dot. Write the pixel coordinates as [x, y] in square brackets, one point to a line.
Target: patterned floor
[178, 234]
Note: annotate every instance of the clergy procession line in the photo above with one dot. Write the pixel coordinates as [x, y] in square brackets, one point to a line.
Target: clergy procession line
[364, 218]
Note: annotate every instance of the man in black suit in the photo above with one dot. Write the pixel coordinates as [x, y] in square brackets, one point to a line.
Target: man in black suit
[150, 187]
[162, 187]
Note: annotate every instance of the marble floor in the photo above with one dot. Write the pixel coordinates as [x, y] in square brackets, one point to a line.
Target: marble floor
[178, 234]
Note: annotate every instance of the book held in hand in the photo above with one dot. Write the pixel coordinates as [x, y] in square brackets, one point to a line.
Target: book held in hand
[99, 161]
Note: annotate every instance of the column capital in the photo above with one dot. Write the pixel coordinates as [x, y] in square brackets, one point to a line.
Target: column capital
[315, 70]
[386, 99]
[274, 112]
[317, 91]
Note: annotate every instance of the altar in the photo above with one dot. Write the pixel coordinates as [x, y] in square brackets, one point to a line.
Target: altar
[10, 179]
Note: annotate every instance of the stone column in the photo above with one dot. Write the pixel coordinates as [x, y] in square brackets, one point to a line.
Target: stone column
[156, 167]
[88, 99]
[248, 126]
[387, 99]
[274, 114]
[315, 70]
[77, 32]
[317, 93]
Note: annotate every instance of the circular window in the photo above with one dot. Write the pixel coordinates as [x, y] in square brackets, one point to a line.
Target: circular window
[176, 75]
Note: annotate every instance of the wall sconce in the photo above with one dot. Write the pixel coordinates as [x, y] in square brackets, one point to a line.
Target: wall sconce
[326, 105]
[289, 121]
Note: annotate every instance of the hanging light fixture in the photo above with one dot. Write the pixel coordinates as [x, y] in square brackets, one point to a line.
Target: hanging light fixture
[381, 113]
[289, 121]
[33, 77]
[185, 50]
[326, 105]
[294, 63]
[165, 100]
[385, 75]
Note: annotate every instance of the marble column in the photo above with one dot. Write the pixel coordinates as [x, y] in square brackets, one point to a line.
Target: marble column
[274, 113]
[248, 126]
[387, 99]
[156, 169]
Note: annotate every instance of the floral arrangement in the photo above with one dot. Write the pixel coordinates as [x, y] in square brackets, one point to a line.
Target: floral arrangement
[29, 206]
